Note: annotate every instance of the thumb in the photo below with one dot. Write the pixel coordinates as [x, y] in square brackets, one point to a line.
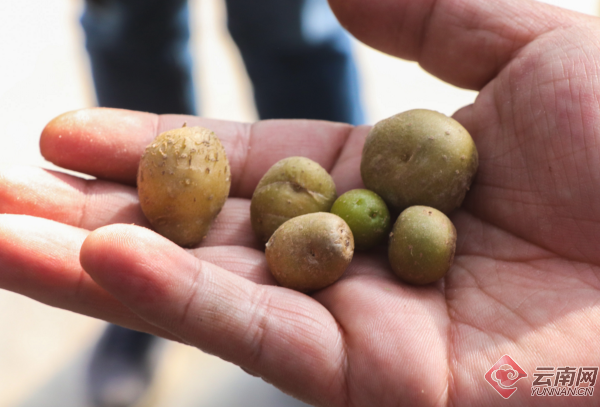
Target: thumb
[464, 42]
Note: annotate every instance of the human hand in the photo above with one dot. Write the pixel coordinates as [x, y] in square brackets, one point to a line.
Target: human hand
[525, 278]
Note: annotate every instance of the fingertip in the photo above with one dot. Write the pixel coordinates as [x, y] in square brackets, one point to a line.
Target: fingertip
[104, 246]
[138, 267]
[119, 252]
[54, 131]
[109, 256]
[103, 142]
[122, 247]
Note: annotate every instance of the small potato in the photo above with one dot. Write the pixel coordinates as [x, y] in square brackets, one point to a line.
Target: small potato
[419, 157]
[310, 252]
[183, 182]
[422, 245]
[292, 187]
[366, 214]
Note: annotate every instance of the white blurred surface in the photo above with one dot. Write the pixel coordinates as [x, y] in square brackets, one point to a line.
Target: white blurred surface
[44, 72]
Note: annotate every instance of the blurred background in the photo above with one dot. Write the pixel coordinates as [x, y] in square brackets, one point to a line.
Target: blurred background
[44, 72]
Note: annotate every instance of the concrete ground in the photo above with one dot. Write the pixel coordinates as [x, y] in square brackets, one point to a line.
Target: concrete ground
[44, 72]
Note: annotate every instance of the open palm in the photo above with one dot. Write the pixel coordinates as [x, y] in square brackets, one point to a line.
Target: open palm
[525, 281]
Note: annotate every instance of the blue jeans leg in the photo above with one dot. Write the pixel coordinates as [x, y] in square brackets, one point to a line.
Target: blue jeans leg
[139, 54]
[299, 59]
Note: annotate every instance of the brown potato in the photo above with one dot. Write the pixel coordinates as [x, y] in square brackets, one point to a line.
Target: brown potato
[419, 157]
[422, 245]
[183, 182]
[292, 187]
[310, 252]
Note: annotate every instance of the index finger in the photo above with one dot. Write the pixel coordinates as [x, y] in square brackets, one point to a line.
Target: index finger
[108, 143]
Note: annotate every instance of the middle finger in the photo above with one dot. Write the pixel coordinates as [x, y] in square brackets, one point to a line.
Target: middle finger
[90, 204]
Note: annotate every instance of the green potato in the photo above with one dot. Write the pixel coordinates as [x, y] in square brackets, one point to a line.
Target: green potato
[422, 245]
[310, 252]
[183, 182]
[292, 187]
[366, 214]
[419, 157]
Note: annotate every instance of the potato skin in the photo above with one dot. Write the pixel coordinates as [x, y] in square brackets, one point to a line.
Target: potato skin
[422, 245]
[292, 187]
[183, 182]
[310, 252]
[366, 214]
[419, 157]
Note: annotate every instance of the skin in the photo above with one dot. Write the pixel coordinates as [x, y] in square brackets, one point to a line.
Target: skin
[526, 276]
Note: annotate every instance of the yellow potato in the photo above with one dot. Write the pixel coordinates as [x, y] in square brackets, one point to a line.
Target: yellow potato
[183, 182]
